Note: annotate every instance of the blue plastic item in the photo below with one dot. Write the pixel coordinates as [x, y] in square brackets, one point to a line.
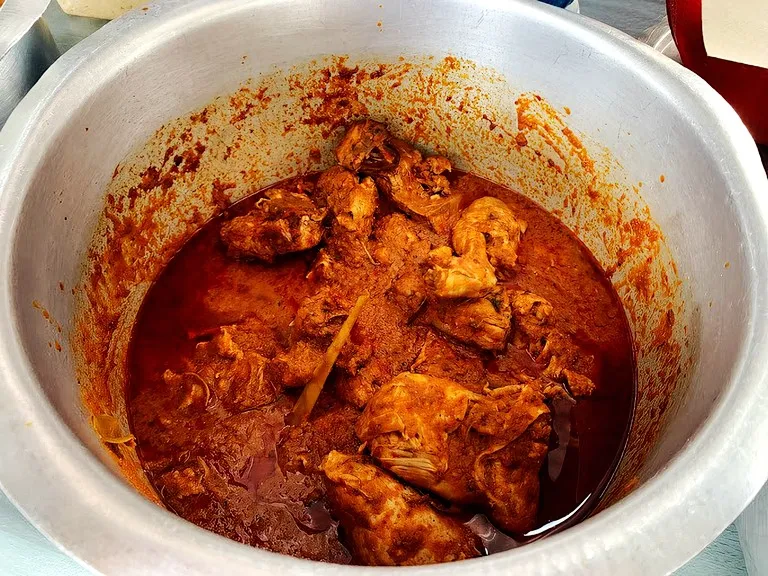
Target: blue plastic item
[558, 3]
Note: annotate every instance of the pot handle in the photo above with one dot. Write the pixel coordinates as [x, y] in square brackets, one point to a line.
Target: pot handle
[16, 18]
[659, 37]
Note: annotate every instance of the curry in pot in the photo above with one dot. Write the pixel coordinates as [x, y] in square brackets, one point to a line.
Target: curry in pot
[388, 363]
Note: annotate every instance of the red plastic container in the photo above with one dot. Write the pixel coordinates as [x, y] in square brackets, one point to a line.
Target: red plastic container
[745, 87]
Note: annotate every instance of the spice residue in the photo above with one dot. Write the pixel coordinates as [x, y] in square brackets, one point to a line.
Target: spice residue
[196, 164]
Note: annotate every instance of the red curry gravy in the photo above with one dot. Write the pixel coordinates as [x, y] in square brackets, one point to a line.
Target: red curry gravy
[240, 491]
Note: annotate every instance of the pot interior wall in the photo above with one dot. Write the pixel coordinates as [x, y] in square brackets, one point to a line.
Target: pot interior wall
[578, 132]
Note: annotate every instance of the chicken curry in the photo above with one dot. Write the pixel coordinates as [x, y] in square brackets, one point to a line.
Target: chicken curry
[388, 363]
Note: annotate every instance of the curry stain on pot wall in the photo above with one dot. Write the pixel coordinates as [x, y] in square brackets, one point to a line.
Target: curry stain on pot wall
[196, 165]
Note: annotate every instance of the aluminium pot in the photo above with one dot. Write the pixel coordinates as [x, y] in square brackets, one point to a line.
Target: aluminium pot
[639, 157]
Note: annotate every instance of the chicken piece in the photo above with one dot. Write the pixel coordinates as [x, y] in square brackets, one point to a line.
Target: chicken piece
[532, 314]
[485, 238]
[493, 220]
[430, 173]
[347, 255]
[301, 448]
[280, 223]
[509, 477]
[184, 481]
[459, 276]
[384, 342]
[295, 367]
[352, 202]
[228, 482]
[578, 384]
[438, 435]
[407, 424]
[401, 249]
[533, 328]
[382, 345]
[410, 291]
[241, 446]
[365, 141]
[400, 241]
[387, 523]
[483, 322]
[345, 259]
[317, 322]
[221, 370]
[193, 392]
[443, 359]
[417, 185]
[561, 355]
[320, 315]
[200, 491]
[533, 331]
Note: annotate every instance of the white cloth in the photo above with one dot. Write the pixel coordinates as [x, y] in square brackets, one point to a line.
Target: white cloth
[26, 552]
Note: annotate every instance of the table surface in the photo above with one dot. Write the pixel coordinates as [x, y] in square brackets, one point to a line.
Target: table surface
[25, 551]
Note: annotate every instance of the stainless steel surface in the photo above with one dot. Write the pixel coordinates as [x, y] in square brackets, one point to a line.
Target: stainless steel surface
[137, 72]
[26, 50]
[659, 37]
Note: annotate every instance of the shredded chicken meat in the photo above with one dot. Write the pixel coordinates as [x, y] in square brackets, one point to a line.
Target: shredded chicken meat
[417, 185]
[389, 523]
[466, 450]
[280, 223]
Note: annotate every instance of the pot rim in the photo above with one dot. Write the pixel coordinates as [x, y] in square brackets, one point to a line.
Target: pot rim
[99, 520]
